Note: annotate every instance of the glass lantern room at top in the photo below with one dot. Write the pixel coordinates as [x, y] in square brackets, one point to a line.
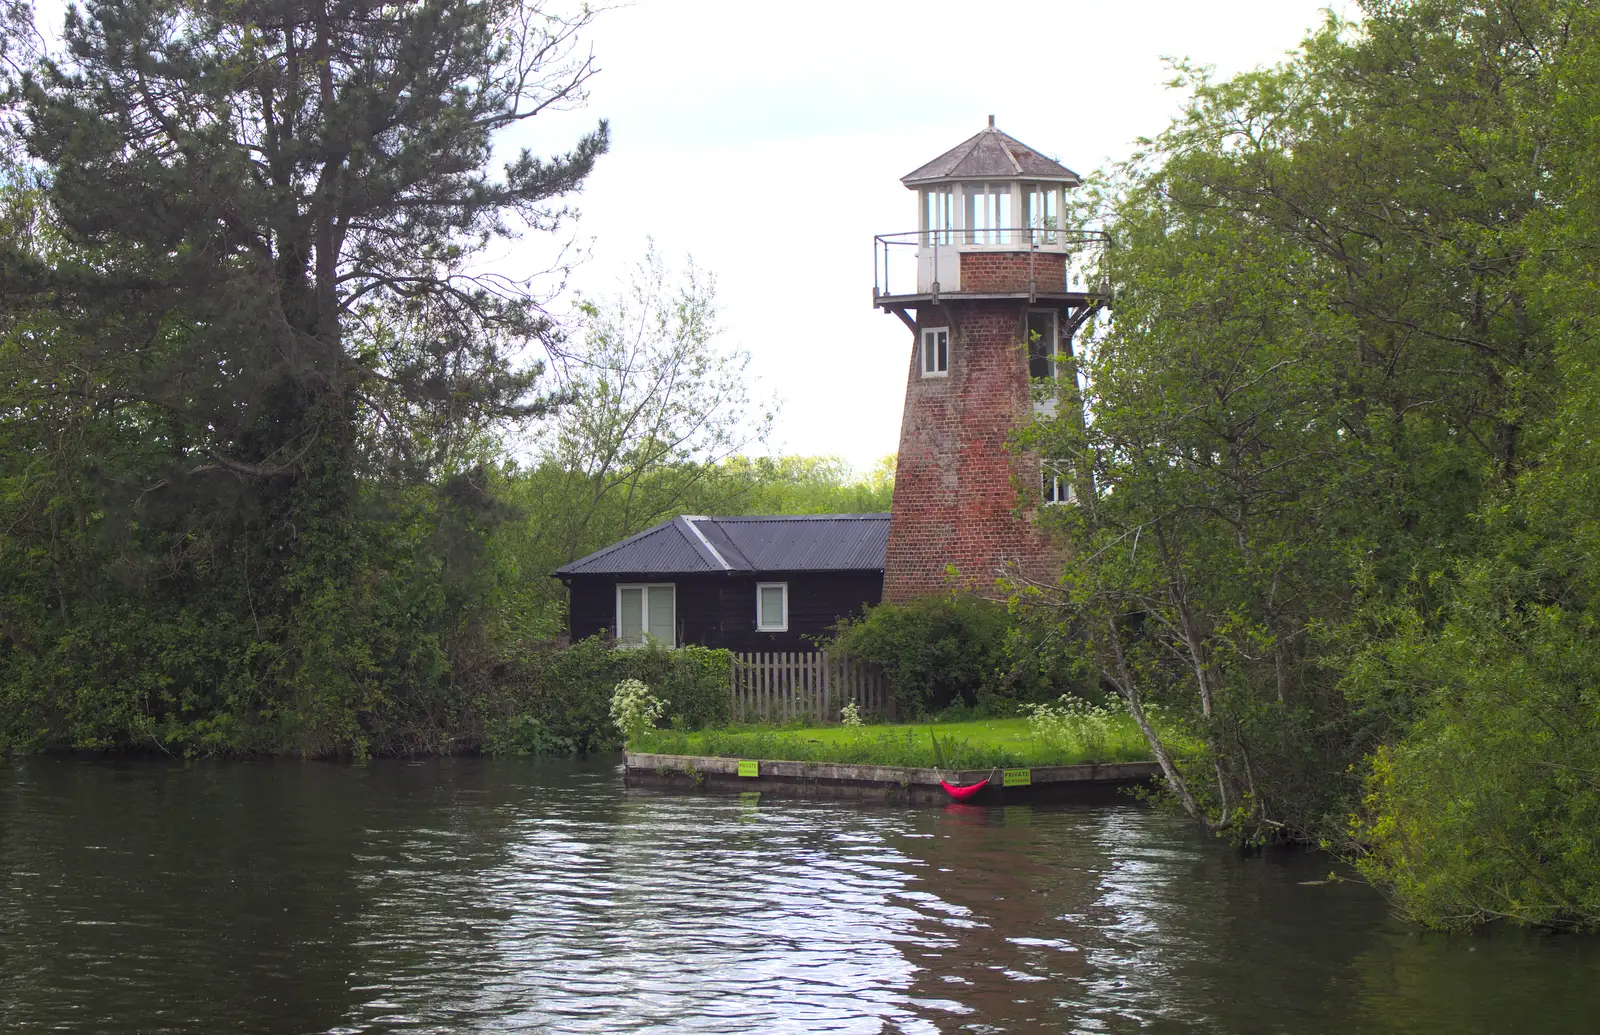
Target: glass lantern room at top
[992, 191]
[989, 212]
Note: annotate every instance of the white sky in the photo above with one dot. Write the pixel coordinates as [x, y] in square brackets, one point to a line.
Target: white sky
[767, 140]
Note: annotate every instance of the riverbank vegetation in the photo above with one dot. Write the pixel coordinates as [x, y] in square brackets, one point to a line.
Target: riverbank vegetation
[1071, 739]
[1338, 476]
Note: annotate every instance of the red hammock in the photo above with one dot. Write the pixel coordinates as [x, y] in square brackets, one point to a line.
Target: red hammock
[963, 793]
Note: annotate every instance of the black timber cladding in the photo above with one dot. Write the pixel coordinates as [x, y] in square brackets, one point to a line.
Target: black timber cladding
[692, 544]
[720, 610]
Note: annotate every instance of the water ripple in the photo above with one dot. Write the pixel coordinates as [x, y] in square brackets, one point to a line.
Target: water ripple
[471, 896]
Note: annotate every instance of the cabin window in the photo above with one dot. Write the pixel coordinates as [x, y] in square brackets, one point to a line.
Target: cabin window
[648, 612]
[1057, 482]
[772, 607]
[1042, 343]
[935, 352]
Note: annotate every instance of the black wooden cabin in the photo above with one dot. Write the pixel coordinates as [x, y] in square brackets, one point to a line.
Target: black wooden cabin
[743, 583]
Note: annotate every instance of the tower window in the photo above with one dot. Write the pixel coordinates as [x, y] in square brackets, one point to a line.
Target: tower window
[988, 212]
[936, 352]
[938, 214]
[1056, 481]
[1042, 343]
[1039, 211]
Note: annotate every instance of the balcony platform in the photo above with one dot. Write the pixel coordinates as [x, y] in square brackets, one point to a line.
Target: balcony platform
[1079, 305]
[1069, 299]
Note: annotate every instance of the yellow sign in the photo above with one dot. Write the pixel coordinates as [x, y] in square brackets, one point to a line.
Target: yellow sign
[749, 768]
[1017, 778]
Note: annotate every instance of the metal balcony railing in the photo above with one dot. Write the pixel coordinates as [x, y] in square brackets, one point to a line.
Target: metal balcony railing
[928, 261]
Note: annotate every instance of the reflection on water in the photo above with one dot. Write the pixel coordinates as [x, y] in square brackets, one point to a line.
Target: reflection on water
[469, 895]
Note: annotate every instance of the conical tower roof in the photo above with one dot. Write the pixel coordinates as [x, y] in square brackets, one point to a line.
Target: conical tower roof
[991, 155]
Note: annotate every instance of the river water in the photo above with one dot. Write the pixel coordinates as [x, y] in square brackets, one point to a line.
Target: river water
[470, 895]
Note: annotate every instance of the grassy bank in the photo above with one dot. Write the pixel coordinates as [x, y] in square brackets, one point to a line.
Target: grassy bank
[980, 744]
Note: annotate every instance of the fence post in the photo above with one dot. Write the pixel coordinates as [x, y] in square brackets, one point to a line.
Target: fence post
[819, 692]
[785, 662]
[827, 686]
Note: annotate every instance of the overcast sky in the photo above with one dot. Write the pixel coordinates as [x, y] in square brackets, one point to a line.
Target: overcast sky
[767, 141]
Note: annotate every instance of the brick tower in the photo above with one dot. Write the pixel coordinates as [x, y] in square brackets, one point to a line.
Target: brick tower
[991, 314]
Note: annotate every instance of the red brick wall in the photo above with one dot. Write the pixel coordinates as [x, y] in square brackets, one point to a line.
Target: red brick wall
[954, 491]
[1008, 271]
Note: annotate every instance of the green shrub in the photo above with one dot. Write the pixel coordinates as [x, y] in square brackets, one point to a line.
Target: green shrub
[1488, 808]
[568, 692]
[956, 651]
[525, 735]
[692, 682]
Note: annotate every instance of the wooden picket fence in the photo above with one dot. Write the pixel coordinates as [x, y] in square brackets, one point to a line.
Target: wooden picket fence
[785, 686]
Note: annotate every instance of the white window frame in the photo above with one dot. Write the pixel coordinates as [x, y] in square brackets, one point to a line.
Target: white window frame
[922, 351]
[1049, 357]
[1041, 210]
[772, 628]
[938, 215]
[644, 613]
[987, 208]
[1053, 475]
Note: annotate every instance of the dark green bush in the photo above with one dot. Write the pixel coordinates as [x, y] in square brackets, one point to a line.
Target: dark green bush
[953, 651]
[558, 699]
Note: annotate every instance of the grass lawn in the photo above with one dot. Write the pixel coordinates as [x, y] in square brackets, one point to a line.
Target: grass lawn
[978, 744]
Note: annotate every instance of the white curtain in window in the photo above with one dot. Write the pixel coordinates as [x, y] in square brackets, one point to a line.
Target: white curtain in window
[772, 606]
[661, 617]
[631, 615]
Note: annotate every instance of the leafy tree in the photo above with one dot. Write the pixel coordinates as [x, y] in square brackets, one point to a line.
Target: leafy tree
[1323, 362]
[656, 398]
[798, 485]
[1337, 467]
[656, 403]
[245, 513]
[19, 39]
[1486, 808]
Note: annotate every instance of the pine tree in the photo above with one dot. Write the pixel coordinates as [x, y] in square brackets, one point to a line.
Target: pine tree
[261, 333]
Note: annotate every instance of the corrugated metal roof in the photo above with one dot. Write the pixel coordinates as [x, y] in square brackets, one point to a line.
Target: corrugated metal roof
[668, 546]
[692, 544]
[991, 155]
[822, 542]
